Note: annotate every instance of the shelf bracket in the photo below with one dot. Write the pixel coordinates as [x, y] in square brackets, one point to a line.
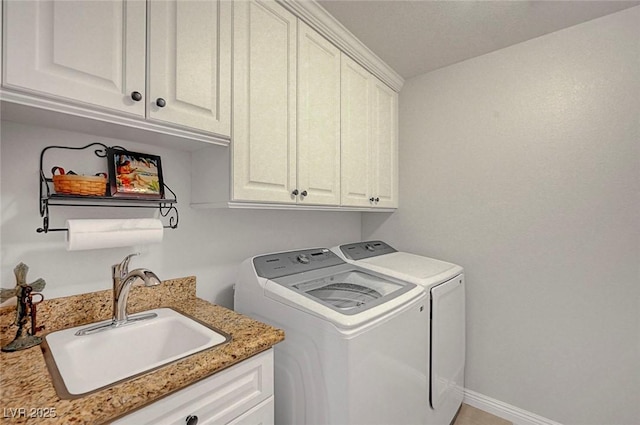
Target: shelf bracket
[166, 206]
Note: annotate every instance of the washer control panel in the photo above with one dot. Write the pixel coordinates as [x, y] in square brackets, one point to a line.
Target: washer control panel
[287, 263]
[362, 250]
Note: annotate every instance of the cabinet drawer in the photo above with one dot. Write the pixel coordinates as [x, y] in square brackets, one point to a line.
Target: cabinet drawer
[217, 399]
[263, 414]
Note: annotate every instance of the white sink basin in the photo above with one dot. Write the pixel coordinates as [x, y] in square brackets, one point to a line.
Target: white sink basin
[91, 362]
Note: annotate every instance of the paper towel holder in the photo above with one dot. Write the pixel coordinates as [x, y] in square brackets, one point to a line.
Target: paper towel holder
[166, 206]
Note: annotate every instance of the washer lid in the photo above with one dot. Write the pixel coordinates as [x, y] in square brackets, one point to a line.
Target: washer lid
[318, 281]
[345, 289]
[345, 295]
[352, 291]
[413, 268]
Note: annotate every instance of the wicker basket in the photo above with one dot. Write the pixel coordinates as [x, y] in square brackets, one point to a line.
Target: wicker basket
[80, 185]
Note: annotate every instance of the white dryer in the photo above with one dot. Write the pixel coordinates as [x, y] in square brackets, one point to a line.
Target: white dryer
[444, 282]
[355, 341]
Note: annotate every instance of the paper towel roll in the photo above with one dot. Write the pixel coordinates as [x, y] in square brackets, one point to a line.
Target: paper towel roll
[111, 233]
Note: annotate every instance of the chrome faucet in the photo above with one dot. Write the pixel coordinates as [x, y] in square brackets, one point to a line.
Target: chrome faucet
[123, 279]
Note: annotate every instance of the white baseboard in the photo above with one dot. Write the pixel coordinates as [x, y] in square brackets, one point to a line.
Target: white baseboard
[504, 410]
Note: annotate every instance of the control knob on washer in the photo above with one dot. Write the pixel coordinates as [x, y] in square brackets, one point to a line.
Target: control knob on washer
[303, 259]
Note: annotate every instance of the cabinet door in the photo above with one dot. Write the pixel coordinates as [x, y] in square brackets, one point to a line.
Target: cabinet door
[226, 396]
[318, 118]
[356, 134]
[89, 51]
[384, 151]
[190, 64]
[264, 102]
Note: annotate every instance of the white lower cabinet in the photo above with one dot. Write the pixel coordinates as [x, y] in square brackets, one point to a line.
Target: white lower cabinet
[262, 414]
[242, 394]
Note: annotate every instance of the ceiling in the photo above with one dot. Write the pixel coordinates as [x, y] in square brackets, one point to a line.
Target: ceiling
[415, 37]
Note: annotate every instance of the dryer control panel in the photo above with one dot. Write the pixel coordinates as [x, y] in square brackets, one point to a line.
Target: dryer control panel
[362, 250]
[281, 264]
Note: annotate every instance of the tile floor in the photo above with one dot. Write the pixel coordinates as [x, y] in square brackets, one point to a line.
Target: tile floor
[471, 416]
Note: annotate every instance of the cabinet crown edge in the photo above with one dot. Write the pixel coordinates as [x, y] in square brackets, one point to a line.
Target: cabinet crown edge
[322, 21]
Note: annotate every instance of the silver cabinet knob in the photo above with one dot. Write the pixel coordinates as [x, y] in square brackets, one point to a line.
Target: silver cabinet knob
[136, 96]
[295, 192]
[304, 193]
[161, 103]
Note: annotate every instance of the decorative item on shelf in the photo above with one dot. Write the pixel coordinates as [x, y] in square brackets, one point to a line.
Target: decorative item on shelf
[73, 184]
[135, 174]
[25, 309]
[139, 186]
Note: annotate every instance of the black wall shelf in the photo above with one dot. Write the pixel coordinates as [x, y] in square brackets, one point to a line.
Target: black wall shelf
[166, 206]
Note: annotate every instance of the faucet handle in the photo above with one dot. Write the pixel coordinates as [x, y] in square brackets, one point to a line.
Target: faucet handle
[123, 268]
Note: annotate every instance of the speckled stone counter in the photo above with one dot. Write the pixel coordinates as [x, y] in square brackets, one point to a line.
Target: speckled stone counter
[25, 382]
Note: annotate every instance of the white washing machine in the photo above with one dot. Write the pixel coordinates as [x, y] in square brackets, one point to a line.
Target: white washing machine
[444, 282]
[355, 341]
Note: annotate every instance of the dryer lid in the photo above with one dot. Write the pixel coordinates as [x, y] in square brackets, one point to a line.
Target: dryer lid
[380, 257]
[416, 266]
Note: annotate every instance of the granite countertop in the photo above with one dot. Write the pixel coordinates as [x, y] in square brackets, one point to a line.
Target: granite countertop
[25, 382]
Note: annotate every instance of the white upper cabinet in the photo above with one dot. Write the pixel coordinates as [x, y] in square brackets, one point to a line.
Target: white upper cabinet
[95, 53]
[318, 118]
[311, 126]
[89, 51]
[369, 139]
[286, 116]
[264, 103]
[384, 162]
[190, 64]
[356, 134]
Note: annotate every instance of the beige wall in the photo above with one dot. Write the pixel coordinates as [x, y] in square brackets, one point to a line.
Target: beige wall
[523, 166]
